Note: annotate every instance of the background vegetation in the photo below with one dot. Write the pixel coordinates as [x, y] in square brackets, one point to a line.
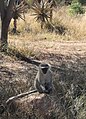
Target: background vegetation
[66, 27]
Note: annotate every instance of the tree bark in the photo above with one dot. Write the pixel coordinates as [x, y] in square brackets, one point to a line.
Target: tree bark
[4, 33]
[2, 8]
[6, 16]
[15, 26]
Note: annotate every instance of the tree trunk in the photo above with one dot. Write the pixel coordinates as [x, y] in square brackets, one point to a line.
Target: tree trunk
[51, 15]
[6, 16]
[15, 26]
[4, 33]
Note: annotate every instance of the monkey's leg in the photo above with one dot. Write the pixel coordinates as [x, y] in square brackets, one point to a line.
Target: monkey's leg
[48, 87]
[40, 88]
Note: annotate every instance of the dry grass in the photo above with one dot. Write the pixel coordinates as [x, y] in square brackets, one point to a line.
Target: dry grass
[30, 31]
[70, 56]
[74, 24]
[69, 84]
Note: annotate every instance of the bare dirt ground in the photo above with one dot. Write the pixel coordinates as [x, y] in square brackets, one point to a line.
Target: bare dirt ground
[17, 76]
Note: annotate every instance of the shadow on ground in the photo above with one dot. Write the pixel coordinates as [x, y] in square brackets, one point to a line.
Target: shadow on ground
[69, 79]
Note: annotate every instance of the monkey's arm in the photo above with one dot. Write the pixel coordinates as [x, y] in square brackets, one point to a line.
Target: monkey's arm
[19, 96]
[40, 88]
[48, 87]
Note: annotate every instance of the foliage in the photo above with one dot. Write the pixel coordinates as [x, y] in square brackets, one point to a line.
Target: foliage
[30, 2]
[63, 1]
[19, 9]
[42, 11]
[69, 1]
[76, 8]
[80, 1]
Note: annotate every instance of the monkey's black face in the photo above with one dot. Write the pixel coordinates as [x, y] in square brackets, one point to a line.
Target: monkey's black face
[44, 68]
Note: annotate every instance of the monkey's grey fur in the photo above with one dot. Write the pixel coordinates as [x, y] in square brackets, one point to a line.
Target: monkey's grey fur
[42, 83]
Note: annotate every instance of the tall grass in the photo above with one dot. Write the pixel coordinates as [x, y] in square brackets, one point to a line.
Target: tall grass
[30, 30]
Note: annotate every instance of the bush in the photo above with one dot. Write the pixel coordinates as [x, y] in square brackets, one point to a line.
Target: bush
[76, 8]
[82, 2]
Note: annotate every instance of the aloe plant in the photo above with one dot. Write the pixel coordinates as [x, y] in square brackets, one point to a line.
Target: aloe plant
[43, 11]
[19, 9]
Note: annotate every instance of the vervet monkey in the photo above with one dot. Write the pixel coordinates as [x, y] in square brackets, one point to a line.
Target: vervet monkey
[43, 80]
[42, 83]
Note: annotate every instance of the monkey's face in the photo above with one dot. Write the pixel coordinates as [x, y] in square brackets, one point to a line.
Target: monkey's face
[44, 68]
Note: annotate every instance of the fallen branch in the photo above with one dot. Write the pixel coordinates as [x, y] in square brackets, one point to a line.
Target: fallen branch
[20, 56]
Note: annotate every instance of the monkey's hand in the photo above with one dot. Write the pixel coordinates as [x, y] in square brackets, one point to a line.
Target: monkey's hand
[44, 90]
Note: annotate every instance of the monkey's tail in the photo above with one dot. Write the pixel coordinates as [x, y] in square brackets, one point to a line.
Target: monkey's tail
[19, 96]
[3, 108]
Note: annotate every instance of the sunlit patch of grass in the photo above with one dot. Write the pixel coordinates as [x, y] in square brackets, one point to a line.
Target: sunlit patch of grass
[22, 47]
[73, 24]
[30, 30]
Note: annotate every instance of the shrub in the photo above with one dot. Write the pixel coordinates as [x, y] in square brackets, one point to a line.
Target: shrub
[76, 8]
[82, 1]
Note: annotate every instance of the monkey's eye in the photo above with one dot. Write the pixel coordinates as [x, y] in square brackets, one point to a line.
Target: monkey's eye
[44, 66]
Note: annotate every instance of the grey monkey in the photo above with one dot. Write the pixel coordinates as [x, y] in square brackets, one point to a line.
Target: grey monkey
[42, 83]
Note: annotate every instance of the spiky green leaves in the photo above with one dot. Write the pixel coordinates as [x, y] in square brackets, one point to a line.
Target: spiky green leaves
[18, 9]
[42, 10]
